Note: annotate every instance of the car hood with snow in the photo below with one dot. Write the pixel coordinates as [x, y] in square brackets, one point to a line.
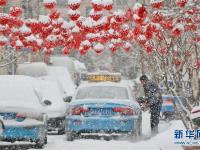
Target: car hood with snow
[21, 94]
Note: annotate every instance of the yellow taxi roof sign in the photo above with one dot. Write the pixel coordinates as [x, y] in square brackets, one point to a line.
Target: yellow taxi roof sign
[102, 77]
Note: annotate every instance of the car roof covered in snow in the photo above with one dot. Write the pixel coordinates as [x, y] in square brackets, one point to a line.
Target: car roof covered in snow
[63, 76]
[35, 69]
[20, 92]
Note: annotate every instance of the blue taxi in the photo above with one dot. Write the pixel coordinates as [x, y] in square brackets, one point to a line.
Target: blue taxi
[103, 108]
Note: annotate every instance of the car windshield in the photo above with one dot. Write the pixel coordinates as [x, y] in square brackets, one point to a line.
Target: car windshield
[102, 92]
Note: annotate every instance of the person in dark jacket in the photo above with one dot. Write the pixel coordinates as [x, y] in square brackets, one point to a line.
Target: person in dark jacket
[154, 100]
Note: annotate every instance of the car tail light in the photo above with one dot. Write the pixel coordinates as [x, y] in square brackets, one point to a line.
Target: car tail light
[20, 117]
[124, 110]
[79, 110]
[196, 111]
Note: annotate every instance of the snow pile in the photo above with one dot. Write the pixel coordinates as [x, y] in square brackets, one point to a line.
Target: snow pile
[52, 38]
[31, 38]
[75, 29]
[86, 43]
[3, 39]
[107, 2]
[99, 47]
[68, 25]
[49, 1]
[19, 43]
[44, 19]
[24, 29]
[98, 2]
[73, 12]
[73, 2]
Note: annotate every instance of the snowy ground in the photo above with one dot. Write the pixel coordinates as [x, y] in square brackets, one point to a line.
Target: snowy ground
[162, 141]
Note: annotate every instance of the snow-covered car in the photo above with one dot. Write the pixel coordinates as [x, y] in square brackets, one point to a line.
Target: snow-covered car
[103, 107]
[36, 69]
[21, 110]
[195, 116]
[63, 61]
[63, 76]
[52, 90]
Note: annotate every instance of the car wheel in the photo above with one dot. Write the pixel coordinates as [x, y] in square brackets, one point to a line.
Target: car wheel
[45, 140]
[40, 144]
[70, 136]
[61, 132]
[107, 138]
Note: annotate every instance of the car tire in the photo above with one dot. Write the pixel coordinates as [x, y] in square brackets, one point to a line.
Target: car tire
[70, 136]
[40, 144]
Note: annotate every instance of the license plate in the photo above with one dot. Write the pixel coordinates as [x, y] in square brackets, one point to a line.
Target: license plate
[100, 111]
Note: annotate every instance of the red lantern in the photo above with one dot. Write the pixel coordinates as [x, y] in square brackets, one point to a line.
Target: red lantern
[181, 3]
[107, 4]
[148, 48]
[198, 64]
[157, 3]
[177, 62]
[48, 51]
[95, 15]
[119, 16]
[83, 51]
[3, 2]
[127, 46]
[74, 15]
[85, 45]
[177, 30]
[3, 40]
[141, 39]
[66, 51]
[54, 14]
[97, 5]
[157, 17]
[98, 48]
[4, 18]
[124, 31]
[18, 45]
[137, 19]
[15, 11]
[49, 4]
[113, 48]
[74, 4]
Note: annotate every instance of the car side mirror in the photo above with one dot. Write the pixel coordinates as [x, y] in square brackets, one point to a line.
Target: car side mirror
[67, 99]
[47, 102]
[1, 127]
